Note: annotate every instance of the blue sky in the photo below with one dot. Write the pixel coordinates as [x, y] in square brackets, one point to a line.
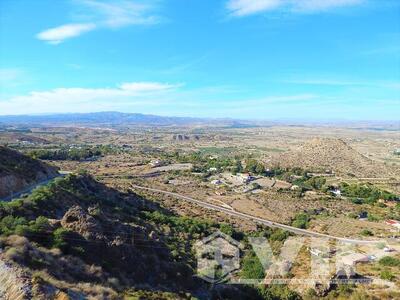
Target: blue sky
[261, 59]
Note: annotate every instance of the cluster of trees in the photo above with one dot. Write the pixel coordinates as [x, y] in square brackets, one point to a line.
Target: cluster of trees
[75, 153]
[365, 193]
[192, 226]
[310, 183]
[255, 167]
[287, 174]
[203, 162]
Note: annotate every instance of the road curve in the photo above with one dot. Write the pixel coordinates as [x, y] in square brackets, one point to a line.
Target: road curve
[28, 189]
[255, 219]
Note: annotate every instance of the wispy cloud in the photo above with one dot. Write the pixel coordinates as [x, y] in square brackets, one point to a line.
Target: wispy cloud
[103, 14]
[326, 81]
[147, 86]
[117, 14]
[59, 34]
[240, 8]
[88, 99]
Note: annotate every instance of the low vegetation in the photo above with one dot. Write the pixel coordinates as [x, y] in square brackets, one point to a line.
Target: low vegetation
[77, 153]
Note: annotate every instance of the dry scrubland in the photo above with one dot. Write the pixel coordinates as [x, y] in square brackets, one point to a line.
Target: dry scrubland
[294, 171]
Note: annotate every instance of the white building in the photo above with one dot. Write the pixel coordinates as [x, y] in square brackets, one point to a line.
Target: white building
[336, 192]
[217, 182]
[156, 163]
[245, 177]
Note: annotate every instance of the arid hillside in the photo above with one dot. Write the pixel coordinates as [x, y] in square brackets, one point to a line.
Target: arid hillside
[18, 171]
[322, 154]
[76, 238]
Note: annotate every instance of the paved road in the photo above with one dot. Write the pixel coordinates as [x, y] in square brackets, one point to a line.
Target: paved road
[28, 189]
[253, 218]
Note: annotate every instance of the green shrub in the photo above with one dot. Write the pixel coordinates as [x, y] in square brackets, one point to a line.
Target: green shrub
[9, 224]
[60, 236]
[387, 275]
[278, 235]
[301, 221]
[373, 218]
[389, 261]
[366, 232]
[277, 291]
[252, 267]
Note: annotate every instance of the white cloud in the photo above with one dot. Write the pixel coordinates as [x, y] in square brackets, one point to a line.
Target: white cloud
[247, 7]
[147, 86]
[103, 14]
[239, 8]
[89, 99]
[117, 14]
[59, 34]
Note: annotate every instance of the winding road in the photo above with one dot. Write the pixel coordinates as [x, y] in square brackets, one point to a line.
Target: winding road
[207, 205]
[256, 219]
[28, 189]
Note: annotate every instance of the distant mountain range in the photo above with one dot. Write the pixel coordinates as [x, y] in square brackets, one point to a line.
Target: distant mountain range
[112, 118]
[109, 118]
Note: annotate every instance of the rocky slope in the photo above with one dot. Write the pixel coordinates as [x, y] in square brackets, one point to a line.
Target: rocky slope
[18, 171]
[321, 154]
[78, 239]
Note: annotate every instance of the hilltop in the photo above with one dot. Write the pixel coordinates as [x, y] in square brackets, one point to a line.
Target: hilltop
[18, 171]
[321, 154]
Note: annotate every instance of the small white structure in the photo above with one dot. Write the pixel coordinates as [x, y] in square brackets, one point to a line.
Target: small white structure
[212, 169]
[295, 188]
[245, 177]
[388, 249]
[336, 192]
[316, 252]
[156, 163]
[217, 182]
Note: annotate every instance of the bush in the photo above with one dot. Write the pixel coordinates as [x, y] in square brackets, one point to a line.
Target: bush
[301, 221]
[373, 218]
[59, 238]
[366, 232]
[276, 291]
[9, 224]
[389, 261]
[252, 268]
[278, 235]
[387, 275]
